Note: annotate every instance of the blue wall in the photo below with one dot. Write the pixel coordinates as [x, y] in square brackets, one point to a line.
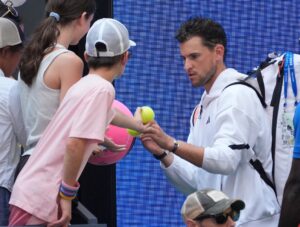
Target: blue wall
[155, 77]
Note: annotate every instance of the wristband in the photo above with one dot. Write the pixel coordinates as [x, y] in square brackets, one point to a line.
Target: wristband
[160, 156]
[175, 147]
[68, 192]
[66, 197]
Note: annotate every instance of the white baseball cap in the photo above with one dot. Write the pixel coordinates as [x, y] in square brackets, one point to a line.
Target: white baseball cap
[110, 33]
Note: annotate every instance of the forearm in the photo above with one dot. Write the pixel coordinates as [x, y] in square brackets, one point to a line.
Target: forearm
[72, 160]
[291, 201]
[124, 121]
[189, 152]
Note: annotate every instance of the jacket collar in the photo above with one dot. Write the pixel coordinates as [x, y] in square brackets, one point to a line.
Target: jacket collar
[225, 78]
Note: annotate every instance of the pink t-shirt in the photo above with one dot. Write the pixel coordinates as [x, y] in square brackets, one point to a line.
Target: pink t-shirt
[85, 112]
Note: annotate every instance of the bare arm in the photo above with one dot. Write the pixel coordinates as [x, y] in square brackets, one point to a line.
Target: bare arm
[63, 72]
[125, 121]
[70, 73]
[291, 198]
[72, 161]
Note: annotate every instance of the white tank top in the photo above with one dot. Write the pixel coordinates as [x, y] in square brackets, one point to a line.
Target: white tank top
[39, 102]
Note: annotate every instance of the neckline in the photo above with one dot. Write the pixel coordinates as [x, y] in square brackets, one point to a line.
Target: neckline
[58, 45]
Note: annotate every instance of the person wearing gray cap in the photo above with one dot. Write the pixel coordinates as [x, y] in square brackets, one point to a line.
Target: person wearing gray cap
[12, 130]
[211, 208]
[43, 191]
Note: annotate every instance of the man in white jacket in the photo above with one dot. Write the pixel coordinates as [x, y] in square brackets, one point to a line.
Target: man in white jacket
[229, 128]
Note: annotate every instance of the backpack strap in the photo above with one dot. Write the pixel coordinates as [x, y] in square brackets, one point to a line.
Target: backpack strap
[257, 165]
[244, 82]
[275, 104]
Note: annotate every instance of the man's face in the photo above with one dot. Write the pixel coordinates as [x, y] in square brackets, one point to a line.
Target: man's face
[200, 62]
[11, 59]
[210, 222]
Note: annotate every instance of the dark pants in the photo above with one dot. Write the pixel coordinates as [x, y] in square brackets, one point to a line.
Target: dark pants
[4, 207]
[21, 164]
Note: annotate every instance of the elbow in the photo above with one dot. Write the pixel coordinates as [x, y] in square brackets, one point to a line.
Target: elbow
[75, 145]
[223, 168]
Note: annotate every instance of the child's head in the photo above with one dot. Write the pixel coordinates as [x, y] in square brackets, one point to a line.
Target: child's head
[11, 45]
[73, 16]
[107, 43]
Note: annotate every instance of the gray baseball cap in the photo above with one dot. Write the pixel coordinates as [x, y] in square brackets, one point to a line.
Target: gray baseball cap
[110, 33]
[208, 202]
[10, 33]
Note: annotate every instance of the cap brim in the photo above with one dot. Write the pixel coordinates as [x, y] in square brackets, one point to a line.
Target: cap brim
[238, 205]
[223, 205]
[132, 43]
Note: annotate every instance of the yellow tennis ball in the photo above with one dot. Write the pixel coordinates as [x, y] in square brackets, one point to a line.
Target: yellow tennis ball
[133, 132]
[147, 114]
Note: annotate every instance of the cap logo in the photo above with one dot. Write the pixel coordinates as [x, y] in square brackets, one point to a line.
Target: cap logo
[216, 196]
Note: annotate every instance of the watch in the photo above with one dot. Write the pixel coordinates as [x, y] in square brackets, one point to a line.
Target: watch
[175, 147]
[160, 156]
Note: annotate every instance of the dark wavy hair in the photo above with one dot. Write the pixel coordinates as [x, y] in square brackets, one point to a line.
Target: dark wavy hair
[44, 37]
[211, 32]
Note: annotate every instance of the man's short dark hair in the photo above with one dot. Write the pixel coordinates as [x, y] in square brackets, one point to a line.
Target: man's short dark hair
[211, 32]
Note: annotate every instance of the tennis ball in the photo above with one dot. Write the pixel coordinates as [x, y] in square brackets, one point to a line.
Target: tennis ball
[133, 132]
[147, 114]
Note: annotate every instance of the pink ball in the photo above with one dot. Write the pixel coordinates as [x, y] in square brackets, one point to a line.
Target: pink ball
[119, 136]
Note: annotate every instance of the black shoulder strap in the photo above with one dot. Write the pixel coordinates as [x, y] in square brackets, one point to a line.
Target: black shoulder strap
[275, 103]
[244, 82]
[260, 169]
[257, 165]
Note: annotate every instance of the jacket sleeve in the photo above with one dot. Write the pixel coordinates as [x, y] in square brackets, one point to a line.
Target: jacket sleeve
[187, 177]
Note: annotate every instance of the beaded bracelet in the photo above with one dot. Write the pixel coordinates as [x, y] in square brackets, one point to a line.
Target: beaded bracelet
[68, 192]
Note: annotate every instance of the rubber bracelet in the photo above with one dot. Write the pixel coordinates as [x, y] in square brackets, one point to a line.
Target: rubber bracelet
[175, 147]
[160, 156]
[69, 187]
[68, 192]
[69, 198]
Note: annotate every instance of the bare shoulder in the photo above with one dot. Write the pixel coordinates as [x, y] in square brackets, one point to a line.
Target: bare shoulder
[69, 59]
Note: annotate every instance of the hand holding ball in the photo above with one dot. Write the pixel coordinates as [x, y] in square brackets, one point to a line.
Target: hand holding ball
[147, 115]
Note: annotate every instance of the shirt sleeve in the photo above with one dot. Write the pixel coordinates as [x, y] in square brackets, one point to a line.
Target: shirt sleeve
[93, 116]
[14, 108]
[297, 133]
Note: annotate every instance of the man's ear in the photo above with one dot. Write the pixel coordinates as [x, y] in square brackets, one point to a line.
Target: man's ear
[190, 223]
[220, 51]
[124, 58]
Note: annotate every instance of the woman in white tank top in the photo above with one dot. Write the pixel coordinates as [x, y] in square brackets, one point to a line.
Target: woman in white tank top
[47, 68]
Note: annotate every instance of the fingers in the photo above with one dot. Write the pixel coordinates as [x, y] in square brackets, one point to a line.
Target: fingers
[63, 221]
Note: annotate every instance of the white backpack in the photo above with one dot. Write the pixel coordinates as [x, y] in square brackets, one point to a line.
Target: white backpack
[276, 81]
